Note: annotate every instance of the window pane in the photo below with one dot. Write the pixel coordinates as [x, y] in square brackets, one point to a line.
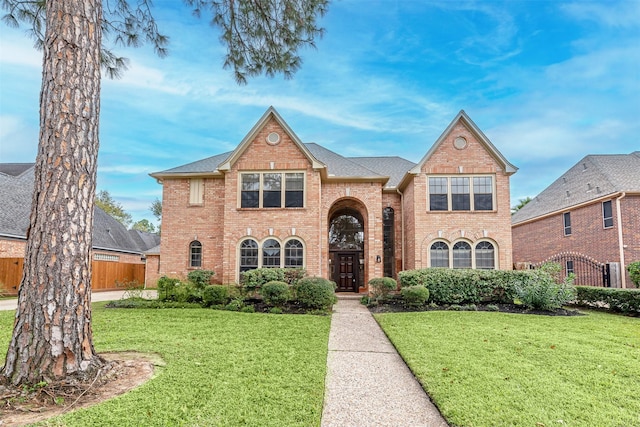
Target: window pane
[248, 255]
[440, 255]
[438, 194]
[195, 254]
[388, 245]
[271, 190]
[566, 217]
[461, 255]
[460, 197]
[294, 190]
[483, 193]
[293, 254]
[607, 214]
[485, 256]
[271, 254]
[250, 194]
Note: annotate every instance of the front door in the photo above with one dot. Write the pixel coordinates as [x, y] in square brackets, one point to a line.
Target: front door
[346, 274]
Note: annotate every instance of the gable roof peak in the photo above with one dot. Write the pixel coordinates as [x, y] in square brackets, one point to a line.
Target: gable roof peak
[463, 117]
[270, 113]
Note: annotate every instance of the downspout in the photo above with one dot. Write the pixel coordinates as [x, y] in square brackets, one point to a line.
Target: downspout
[620, 240]
[402, 225]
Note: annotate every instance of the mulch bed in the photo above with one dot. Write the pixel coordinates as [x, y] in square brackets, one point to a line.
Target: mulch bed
[397, 306]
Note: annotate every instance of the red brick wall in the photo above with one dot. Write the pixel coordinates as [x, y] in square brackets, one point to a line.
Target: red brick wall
[539, 240]
[12, 248]
[471, 226]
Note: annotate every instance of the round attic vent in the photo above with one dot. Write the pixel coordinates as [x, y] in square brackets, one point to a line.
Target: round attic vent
[460, 143]
[273, 138]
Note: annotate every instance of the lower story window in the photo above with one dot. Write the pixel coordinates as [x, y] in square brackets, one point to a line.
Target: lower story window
[293, 254]
[248, 255]
[440, 255]
[195, 254]
[461, 255]
[271, 254]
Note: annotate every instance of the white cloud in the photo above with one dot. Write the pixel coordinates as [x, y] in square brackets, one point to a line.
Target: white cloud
[620, 14]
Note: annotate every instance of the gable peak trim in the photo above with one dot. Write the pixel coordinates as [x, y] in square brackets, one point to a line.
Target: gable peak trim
[246, 141]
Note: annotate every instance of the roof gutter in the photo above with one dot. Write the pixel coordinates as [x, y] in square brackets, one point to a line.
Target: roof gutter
[620, 239]
[565, 209]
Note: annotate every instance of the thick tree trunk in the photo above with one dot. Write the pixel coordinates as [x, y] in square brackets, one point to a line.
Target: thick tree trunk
[52, 337]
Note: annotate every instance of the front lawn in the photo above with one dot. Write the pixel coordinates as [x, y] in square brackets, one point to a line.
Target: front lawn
[222, 368]
[497, 369]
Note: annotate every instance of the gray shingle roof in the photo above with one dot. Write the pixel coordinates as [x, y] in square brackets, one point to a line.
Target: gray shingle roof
[337, 166]
[593, 177]
[14, 169]
[393, 167]
[16, 193]
[144, 240]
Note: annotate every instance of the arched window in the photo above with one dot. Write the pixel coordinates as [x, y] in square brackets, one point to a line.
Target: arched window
[439, 255]
[271, 254]
[195, 254]
[293, 254]
[388, 245]
[462, 255]
[248, 255]
[485, 256]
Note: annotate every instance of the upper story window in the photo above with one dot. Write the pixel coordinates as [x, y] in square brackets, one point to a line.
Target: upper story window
[196, 191]
[195, 254]
[566, 220]
[607, 214]
[461, 193]
[272, 190]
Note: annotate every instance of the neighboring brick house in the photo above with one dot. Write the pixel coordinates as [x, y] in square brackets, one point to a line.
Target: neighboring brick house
[275, 201]
[112, 242]
[591, 212]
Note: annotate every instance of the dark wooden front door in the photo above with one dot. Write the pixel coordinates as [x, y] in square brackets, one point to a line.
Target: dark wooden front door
[346, 274]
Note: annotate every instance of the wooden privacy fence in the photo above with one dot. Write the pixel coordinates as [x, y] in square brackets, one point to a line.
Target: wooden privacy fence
[106, 274]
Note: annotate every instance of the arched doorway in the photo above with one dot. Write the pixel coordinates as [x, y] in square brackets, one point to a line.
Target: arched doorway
[346, 248]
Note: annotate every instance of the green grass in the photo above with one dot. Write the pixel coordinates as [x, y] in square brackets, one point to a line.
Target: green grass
[222, 368]
[497, 369]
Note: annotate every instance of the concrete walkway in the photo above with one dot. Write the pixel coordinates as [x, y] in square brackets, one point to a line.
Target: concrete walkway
[11, 304]
[368, 383]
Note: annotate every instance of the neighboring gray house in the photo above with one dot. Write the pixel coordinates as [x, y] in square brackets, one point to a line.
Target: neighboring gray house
[589, 216]
[111, 240]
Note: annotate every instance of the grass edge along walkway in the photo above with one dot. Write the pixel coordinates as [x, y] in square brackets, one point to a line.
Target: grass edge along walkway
[495, 369]
[222, 368]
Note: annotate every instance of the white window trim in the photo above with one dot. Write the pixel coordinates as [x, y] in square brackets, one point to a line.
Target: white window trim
[282, 190]
[604, 225]
[496, 258]
[494, 204]
[260, 248]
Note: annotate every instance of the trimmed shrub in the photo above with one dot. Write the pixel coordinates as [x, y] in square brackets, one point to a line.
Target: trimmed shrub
[316, 292]
[542, 292]
[200, 278]
[235, 305]
[214, 295]
[275, 293]
[167, 288]
[617, 300]
[415, 296]
[634, 273]
[381, 287]
[253, 280]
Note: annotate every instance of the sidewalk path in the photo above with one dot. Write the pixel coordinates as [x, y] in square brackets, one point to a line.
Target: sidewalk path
[10, 304]
[368, 383]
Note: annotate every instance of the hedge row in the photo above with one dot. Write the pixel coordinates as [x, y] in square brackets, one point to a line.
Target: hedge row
[465, 286]
[619, 300]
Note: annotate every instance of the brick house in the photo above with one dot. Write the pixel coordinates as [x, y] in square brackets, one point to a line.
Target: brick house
[591, 213]
[112, 242]
[275, 201]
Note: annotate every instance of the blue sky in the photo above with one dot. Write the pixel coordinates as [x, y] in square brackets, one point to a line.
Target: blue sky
[547, 81]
